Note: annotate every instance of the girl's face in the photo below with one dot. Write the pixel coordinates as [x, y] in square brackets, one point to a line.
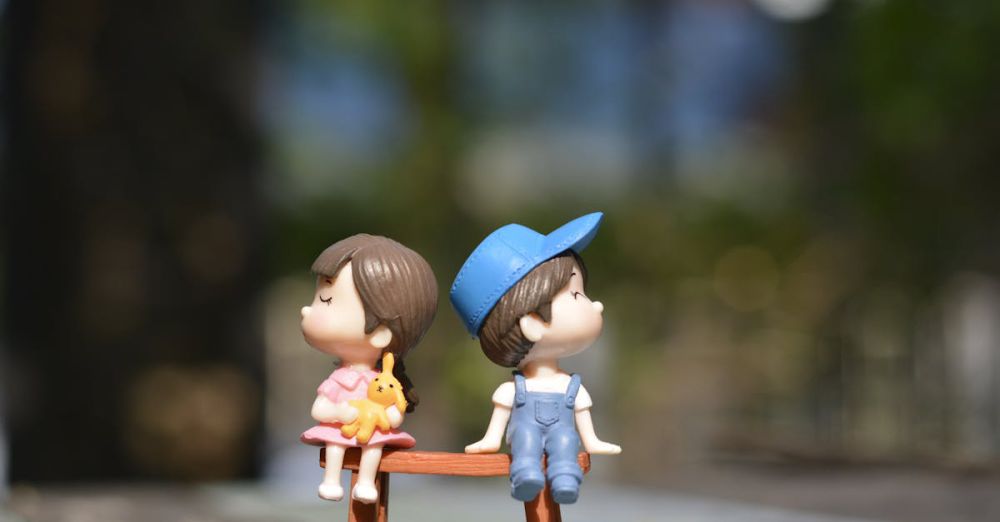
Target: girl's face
[335, 321]
[576, 323]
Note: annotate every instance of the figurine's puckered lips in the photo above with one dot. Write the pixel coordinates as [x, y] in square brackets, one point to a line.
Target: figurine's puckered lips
[505, 257]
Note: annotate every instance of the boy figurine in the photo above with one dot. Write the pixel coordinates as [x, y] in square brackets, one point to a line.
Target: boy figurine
[522, 294]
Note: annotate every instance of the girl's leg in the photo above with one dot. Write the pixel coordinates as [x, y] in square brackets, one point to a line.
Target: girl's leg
[364, 490]
[330, 488]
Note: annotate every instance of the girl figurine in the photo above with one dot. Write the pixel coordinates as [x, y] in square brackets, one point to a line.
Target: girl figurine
[522, 294]
[373, 296]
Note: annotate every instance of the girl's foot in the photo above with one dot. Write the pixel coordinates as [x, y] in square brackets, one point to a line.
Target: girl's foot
[331, 491]
[365, 493]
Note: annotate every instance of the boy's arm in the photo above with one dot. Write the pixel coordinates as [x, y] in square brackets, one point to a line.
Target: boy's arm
[591, 443]
[585, 426]
[503, 401]
[490, 443]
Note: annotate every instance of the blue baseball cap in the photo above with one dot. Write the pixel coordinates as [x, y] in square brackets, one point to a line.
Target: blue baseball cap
[506, 256]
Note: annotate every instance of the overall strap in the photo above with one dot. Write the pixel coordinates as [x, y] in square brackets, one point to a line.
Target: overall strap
[571, 390]
[520, 390]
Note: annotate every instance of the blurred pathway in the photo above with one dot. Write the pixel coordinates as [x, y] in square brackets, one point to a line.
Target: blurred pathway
[413, 500]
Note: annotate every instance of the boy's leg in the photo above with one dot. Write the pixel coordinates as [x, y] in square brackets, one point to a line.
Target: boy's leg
[563, 471]
[526, 478]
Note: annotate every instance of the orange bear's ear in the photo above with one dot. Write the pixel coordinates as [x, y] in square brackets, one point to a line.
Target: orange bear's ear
[388, 361]
[400, 401]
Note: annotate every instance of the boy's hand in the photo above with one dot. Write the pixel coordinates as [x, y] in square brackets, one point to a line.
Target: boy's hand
[483, 446]
[599, 447]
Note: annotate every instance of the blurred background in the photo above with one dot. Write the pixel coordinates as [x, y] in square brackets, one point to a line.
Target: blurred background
[799, 262]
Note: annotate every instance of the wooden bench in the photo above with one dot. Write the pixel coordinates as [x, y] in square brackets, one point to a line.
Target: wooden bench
[542, 509]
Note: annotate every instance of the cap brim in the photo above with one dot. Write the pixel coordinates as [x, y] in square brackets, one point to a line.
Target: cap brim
[575, 235]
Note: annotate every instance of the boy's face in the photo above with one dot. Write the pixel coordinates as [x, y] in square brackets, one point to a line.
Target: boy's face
[576, 323]
[335, 321]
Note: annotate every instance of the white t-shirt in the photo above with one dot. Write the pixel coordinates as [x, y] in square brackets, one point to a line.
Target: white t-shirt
[504, 396]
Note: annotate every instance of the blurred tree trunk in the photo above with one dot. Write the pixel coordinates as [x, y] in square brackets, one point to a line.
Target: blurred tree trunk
[131, 245]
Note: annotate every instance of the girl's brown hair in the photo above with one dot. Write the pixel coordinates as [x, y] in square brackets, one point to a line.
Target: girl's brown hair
[501, 337]
[397, 288]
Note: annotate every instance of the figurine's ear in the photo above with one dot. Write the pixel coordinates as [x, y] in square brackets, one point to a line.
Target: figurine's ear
[380, 337]
[532, 326]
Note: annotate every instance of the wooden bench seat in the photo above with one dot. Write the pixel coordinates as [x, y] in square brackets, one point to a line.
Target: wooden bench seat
[542, 509]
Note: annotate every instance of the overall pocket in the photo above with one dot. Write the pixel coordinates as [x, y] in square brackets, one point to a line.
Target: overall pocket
[547, 412]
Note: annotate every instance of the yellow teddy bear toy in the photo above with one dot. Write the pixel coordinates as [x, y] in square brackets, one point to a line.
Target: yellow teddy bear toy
[384, 391]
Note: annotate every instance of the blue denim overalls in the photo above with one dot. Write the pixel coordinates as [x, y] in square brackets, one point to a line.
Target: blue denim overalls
[544, 421]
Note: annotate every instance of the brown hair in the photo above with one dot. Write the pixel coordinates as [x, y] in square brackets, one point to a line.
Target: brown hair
[397, 289]
[501, 337]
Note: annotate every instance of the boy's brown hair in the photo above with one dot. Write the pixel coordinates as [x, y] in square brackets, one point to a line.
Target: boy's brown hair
[397, 288]
[501, 337]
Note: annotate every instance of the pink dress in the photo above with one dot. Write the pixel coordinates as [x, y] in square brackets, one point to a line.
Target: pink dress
[345, 384]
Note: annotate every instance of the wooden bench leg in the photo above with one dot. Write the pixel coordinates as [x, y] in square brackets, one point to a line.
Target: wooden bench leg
[382, 483]
[356, 511]
[543, 508]
[377, 512]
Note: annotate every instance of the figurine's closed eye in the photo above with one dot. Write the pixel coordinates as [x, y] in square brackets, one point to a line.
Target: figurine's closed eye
[328, 300]
[577, 294]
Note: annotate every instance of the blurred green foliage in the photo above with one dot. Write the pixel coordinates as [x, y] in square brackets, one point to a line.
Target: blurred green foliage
[737, 317]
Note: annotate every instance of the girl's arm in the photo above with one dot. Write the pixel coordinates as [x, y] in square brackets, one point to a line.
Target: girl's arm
[325, 410]
[395, 416]
[490, 443]
[591, 443]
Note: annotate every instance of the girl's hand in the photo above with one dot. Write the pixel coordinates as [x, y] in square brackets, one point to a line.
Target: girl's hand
[599, 447]
[483, 446]
[344, 412]
[324, 410]
[395, 416]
